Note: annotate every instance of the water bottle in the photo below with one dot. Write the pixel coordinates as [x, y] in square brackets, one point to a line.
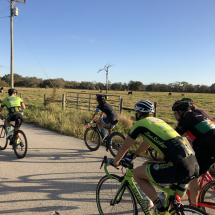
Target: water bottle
[148, 201]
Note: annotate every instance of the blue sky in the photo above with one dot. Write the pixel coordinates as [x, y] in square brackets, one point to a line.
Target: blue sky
[152, 41]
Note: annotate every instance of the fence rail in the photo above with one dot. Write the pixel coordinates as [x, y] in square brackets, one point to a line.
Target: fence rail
[79, 101]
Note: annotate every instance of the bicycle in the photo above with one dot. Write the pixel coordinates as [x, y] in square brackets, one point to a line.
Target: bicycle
[17, 139]
[207, 190]
[119, 195]
[92, 139]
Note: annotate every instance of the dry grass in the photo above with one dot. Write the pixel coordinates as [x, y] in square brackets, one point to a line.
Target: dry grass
[71, 121]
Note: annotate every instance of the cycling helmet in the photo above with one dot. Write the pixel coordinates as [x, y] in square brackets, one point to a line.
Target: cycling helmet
[145, 107]
[188, 99]
[101, 98]
[183, 105]
[12, 91]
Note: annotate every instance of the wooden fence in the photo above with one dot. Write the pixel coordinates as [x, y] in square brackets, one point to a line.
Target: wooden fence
[87, 101]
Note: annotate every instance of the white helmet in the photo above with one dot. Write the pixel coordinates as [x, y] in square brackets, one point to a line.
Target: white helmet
[145, 107]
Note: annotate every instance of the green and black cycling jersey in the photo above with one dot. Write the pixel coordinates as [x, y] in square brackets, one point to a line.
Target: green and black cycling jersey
[13, 104]
[163, 138]
[199, 128]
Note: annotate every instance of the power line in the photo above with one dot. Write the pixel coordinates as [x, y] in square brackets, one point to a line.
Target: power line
[34, 55]
[4, 16]
[4, 10]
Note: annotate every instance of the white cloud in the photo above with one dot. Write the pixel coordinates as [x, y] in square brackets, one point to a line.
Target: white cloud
[74, 36]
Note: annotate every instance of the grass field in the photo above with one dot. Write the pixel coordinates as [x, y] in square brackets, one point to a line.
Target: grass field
[71, 121]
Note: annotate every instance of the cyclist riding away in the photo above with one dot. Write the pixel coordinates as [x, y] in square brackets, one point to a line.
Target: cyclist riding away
[201, 131]
[181, 164]
[111, 115]
[15, 107]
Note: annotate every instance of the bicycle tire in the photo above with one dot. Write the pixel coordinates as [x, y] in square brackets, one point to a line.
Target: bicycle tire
[18, 147]
[186, 209]
[3, 140]
[207, 194]
[105, 192]
[92, 139]
[115, 141]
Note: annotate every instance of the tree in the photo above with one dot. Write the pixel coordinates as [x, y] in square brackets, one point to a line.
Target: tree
[106, 67]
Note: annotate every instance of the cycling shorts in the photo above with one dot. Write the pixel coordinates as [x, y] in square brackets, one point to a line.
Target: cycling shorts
[173, 173]
[17, 117]
[112, 121]
[205, 158]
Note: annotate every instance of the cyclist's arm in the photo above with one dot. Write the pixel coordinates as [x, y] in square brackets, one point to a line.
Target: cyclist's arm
[94, 115]
[23, 105]
[143, 146]
[125, 146]
[101, 115]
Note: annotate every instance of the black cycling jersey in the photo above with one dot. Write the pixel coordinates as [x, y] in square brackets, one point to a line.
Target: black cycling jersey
[107, 109]
[199, 128]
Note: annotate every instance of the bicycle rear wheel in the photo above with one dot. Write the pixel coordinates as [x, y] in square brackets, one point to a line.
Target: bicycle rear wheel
[187, 210]
[20, 144]
[92, 139]
[3, 140]
[207, 196]
[105, 192]
[116, 140]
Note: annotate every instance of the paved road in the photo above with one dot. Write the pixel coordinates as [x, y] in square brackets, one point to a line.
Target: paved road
[58, 174]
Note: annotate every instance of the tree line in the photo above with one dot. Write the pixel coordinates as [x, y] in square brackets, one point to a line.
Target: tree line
[34, 82]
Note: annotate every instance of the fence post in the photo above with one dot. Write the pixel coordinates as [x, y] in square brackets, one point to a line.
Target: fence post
[77, 100]
[63, 102]
[121, 105]
[45, 100]
[155, 105]
[89, 101]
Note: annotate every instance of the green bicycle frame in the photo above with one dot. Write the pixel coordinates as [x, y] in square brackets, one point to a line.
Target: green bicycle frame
[127, 180]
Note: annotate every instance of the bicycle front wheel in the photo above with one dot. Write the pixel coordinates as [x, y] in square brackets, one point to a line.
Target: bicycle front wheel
[188, 210]
[92, 139]
[115, 142]
[20, 144]
[3, 141]
[207, 196]
[106, 191]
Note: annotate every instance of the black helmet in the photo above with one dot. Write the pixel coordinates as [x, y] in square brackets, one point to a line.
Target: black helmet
[144, 106]
[12, 91]
[183, 105]
[188, 99]
[101, 98]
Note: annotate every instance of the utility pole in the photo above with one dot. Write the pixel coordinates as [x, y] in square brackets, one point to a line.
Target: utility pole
[13, 11]
[106, 67]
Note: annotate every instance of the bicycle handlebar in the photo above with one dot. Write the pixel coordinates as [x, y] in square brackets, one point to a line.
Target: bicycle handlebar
[125, 162]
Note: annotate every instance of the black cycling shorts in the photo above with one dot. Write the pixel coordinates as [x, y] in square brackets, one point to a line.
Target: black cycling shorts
[17, 117]
[205, 158]
[173, 173]
[111, 120]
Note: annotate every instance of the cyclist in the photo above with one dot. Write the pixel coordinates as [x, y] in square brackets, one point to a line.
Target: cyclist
[201, 130]
[111, 116]
[181, 164]
[15, 107]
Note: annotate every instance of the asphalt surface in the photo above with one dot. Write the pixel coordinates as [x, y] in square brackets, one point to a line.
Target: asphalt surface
[58, 174]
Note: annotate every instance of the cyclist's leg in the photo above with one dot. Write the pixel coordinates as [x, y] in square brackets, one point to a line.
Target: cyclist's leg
[18, 122]
[160, 173]
[7, 124]
[205, 159]
[112, 124]
[100, 123]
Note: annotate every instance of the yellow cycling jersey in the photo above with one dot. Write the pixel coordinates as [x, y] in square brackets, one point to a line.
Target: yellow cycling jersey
[162, 137]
